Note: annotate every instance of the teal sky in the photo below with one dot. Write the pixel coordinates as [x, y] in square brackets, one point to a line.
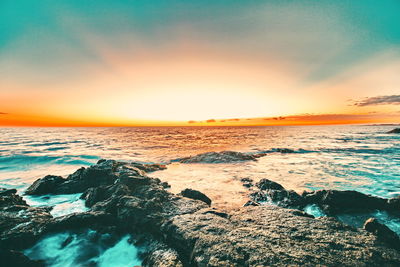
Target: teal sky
[47, 43]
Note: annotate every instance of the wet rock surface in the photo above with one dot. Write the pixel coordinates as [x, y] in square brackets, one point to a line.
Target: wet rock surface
[185, 231]
[194, 194]
[382, 232]
[331, 202]
[334, 202]
[218, 157]
[270, 191]
[105, 172]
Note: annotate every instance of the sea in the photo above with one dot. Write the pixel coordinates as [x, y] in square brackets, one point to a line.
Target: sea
[364, 158]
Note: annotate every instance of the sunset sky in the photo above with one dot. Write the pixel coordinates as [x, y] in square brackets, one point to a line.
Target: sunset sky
[158, 62]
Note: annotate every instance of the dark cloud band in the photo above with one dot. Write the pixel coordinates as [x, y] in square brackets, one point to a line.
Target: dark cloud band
[379, 100]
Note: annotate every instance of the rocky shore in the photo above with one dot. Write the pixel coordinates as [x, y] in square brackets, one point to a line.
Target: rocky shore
[185, 230]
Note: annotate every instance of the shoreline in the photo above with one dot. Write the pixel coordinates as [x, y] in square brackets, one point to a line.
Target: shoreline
[186, 230]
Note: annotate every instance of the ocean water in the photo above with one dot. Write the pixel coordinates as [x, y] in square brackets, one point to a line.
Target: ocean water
[354, 157]
[362, 158]
[85, 248]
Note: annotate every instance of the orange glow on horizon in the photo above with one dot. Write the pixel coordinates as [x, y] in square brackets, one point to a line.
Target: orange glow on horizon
[179, 85]
[12, 120]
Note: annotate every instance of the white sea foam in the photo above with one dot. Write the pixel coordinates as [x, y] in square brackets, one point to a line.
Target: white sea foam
[62, 204]
[84, 249]
[314, 210]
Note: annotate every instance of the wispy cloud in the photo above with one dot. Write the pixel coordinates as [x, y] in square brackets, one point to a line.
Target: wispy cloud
[379, 100]
[3, 113]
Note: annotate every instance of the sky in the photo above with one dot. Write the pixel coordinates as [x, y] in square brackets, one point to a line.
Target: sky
[209, 62]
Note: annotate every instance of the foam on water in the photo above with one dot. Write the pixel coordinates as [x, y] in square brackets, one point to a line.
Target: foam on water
[314, 210]
[62, 204]
[362, 158]
[87, 248]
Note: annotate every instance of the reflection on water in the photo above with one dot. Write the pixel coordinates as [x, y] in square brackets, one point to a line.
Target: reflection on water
[363, 158]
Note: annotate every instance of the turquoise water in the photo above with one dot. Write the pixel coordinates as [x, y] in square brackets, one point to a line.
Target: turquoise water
[85, 248]
[362, 158]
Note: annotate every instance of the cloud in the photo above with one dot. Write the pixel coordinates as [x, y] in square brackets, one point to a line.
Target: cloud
[379, 100]
[192, 121]
[212, 120]
[3, 113]
[274, 118]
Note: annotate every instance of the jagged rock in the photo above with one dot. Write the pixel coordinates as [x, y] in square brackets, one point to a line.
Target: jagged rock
[19, 223]
[8, 197]
[163, 258]
[283, 198]
[148, 167]
[265, 184]
[194, 194]
[334, 201]
[269, 235]
[271, 191]
[218, 157]
[383, 232]
[7, 192]
[159, 254]
[96, 194]
[396, 130]
[46, 185]
[247, 182]
[105, 172]
[192, 234]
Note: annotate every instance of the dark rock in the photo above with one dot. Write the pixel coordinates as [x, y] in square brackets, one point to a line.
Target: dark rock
[182, 231]
[165, 185]
[90, 219]
[105, 172]
[285, 150]
[14, 258]
[218, 213]
[194, 194]
[382, 232]
[205, 239]
[96, 194]
[46, 185]
[335, 202]
[67, 241]
[265, 184]
[8, 197]
[283, 198]
[148, 167]
[251, 203]
[20, 224]
[396, 130]
[393, 204]
[159, 254]
[218, 157]
[271, 191]
[7, 192]
[247, 182]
